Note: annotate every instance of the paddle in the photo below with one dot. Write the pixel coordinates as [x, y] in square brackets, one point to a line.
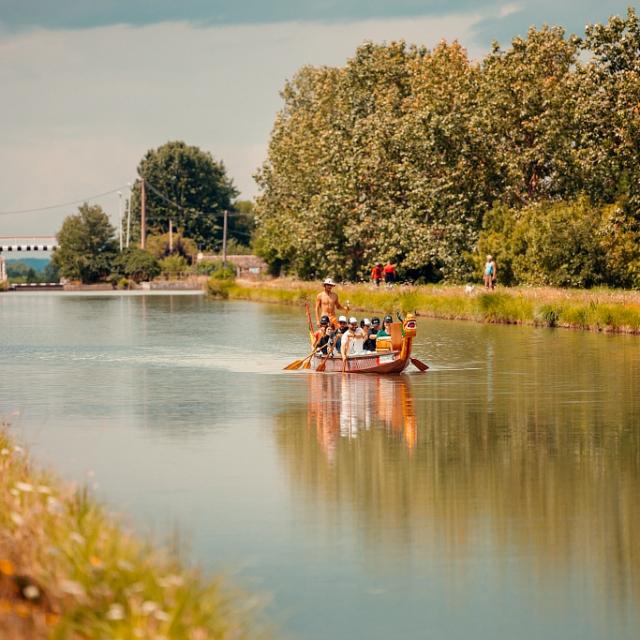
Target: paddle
[419, 364]
[296, 364]
[323, 364]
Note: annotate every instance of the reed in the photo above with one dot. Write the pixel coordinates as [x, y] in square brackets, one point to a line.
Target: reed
[69, 570]
[597, 310]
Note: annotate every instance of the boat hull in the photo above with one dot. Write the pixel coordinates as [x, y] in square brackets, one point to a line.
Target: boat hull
[375, 362]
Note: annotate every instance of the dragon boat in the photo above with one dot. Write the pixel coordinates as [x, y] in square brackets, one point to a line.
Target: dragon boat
[392, 355]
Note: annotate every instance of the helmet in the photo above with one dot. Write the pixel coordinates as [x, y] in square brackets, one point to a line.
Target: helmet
[388, 319]
[375, 321]
[353, 320]
[342, 319]
[324, 320]
[367, 322]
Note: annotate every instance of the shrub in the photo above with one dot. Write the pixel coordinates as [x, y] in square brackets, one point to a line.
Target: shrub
[136, 264]
[173, 265]
[160, 247]
[217, 288]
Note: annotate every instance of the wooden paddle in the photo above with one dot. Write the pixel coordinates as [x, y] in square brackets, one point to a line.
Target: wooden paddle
[297, 364]
[323, 364]
[419, 364]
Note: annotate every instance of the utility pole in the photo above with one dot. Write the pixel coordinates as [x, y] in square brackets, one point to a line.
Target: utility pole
[224, 240]
[170, 237]
[120, 219]
[128, 220]
[143, 214]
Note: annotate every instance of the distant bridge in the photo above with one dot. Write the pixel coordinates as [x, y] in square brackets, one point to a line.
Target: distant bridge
[27, 243]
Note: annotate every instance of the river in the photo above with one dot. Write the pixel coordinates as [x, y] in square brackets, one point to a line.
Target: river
[495, 496]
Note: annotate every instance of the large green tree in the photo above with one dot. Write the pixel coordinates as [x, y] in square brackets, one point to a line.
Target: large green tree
[187, 186]
[86, 245]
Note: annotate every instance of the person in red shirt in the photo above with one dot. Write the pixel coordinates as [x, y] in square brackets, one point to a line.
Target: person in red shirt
[389, 273]
[376, 274]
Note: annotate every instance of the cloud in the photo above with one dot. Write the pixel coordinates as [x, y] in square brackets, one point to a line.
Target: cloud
[71, 14]
[516, 19]
[84, 106]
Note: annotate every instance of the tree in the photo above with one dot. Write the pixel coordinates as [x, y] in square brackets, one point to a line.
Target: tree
[241, 222]
[161, 247]
[86, 245]
[137, 264]
[187, 186]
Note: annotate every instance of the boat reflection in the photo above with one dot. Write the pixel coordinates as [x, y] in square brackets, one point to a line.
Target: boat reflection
[342, 406]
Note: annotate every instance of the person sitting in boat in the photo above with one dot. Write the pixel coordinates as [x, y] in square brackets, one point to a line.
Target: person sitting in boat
[322, 336]
[352, 340]
[343, 327]
[384, 332]
[371, 332]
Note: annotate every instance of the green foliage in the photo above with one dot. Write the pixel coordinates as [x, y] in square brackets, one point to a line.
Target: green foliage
[193, 180]
[241, 224]
[137, 264]
[51, 273]
[566, 244]
[216, 270]
[219, 287]
[86, 245]
[162, 246]
[173, 265]
[432, 161]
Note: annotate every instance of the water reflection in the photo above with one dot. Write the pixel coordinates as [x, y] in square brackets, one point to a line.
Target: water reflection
[559, 490]
[343, 406]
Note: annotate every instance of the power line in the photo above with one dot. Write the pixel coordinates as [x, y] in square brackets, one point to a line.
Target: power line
[62, 204]
[166, 198]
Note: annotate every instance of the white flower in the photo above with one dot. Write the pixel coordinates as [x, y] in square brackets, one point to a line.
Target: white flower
[24, 486]
[148, 607]
[76, 537]
[31, 592]
[116, 612]
[54, 505]
[72, 588]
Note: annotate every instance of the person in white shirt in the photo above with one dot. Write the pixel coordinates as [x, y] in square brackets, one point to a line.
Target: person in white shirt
[352, 340]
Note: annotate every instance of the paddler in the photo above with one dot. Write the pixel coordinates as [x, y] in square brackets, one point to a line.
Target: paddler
[327, 303]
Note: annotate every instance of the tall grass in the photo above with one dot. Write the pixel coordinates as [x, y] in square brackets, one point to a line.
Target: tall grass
[598, 310]
[68, 570]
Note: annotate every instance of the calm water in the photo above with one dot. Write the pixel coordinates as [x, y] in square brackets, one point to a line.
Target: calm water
[495, 496]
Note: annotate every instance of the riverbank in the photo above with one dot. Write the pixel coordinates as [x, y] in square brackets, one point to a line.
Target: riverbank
[595, 309]
[69, 570]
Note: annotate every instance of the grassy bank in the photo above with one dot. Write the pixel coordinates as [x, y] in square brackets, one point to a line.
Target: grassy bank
[68, 570]
[595, 309]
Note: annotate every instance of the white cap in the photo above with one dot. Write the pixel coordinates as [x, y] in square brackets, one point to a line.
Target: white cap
[367, 322]
[329, 281]
[342, 319]
[353, 320]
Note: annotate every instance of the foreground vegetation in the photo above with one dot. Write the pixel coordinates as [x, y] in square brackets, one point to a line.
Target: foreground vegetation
[596, 309]
[67, 570]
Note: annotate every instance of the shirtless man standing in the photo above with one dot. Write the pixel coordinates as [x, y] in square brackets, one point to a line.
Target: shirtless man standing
[327, 302]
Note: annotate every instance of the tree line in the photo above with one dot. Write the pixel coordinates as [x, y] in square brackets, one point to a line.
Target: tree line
[187, 193]
[431, 160]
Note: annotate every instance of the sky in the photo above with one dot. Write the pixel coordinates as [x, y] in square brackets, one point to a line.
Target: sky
[89, 87]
